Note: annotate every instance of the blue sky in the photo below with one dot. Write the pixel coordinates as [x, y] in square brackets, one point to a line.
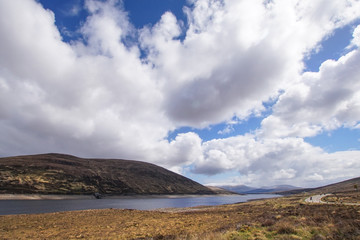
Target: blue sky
[224, 92]
[142, 13]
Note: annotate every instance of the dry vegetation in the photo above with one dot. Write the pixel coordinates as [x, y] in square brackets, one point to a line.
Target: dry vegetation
[65, 174]
[284, 218]
[343, 197]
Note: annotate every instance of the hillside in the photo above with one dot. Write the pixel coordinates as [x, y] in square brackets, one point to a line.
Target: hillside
[219, 190]
[340, 187]
[344, 186]
[65, 174]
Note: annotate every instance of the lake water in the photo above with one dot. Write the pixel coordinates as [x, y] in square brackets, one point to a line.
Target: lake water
[8, 207]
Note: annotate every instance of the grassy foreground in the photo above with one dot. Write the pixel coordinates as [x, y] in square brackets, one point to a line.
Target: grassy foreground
[283, 218]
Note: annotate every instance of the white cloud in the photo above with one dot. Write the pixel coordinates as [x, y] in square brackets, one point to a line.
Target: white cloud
[93, 100]
[356, 37]
[246, 37]
[185, 149]
[324, 100]
[284, 174]
[276, 161]
[228, 129]
[315, 177]
[97, 98]
[270, 160]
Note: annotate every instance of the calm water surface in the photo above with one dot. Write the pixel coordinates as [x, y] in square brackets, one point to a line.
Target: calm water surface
[8, 207]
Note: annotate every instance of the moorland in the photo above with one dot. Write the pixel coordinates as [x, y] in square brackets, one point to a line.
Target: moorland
[63, 174]
[288, 217]
[281, 218]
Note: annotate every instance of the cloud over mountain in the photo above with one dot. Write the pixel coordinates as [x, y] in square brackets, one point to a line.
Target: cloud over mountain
[118, 91]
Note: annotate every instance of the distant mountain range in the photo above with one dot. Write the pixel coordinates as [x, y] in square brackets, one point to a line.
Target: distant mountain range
[344, 186]
[66, 174]
[243, 189]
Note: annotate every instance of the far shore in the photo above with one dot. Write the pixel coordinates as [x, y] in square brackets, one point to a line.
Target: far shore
[75, 197]
[43, 197]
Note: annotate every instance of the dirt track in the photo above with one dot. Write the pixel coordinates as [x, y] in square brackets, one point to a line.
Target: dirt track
[316, 198]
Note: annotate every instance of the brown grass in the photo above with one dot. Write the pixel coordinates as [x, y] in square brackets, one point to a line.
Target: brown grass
[285, 218]
[344, 197]
[66, 174]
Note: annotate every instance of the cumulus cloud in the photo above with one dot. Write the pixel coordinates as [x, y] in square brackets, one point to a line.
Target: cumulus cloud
[246, 37]
[356, 37]
[119, 91]
[275, 161]
[270, 160]
[93, 98]
[324, 100]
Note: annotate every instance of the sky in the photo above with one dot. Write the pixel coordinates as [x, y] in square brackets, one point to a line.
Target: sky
[225, 92]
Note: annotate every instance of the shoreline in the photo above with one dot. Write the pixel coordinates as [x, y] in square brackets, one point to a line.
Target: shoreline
[79, 197]
[43, 197]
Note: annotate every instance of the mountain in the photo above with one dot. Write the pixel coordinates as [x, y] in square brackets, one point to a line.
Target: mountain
[251, 190]
[275, 189]
[65, 174]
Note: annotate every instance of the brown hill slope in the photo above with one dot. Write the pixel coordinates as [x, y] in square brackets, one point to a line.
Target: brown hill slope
[340, 187]
[344, 186]
[65, 174]
[219, 190]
